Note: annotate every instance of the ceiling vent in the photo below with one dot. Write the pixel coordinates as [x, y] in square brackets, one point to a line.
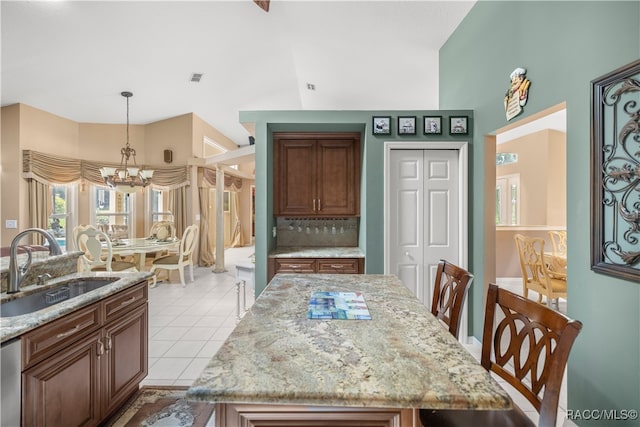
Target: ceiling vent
[195, 77]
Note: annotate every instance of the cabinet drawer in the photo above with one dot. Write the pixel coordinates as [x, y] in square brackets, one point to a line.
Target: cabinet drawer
[125, 300]
[295, 265]
[52, 337]
[338, 266]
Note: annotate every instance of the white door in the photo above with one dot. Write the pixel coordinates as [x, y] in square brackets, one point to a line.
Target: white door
[425, 215]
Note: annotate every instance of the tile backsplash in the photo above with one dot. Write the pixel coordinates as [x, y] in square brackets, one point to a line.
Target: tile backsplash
[318, 232]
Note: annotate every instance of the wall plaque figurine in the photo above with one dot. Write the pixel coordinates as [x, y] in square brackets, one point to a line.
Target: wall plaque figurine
[517, 94]
[615, 172]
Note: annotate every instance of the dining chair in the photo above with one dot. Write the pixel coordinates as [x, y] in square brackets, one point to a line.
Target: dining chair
[77, 229]
[162, 230]
[535, 273]
[527, 345]
[449, 293]
[180, 260]
[558, 242]
[98, 252]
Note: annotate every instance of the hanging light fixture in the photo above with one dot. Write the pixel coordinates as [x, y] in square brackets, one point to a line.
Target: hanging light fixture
[125, 178]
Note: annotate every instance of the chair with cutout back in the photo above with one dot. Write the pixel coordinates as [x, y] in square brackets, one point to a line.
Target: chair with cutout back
[449, 293]
[557, 262]
[74, 234]
[527, 345]
[535, 272]
[98, 252]
[558, 242]
[180, 260]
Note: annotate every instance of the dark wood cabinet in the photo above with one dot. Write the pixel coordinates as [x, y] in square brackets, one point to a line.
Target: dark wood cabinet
[64, 389]
[316, 174]
[79, 369]
[265, 415]
[314, 265]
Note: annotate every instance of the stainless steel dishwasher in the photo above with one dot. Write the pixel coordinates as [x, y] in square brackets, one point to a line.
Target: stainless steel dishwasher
[10, 383]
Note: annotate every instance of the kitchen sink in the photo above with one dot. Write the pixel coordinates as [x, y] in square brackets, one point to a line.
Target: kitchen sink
[48, 297]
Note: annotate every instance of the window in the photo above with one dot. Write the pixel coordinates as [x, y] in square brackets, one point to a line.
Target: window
[159, 207]
[508, 200]
[62, 200]
[113, 212]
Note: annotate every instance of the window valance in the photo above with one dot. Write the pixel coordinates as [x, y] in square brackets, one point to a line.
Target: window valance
[231, 183]
[51, 169]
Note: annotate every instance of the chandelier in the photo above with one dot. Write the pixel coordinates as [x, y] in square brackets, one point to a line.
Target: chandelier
[125, 178]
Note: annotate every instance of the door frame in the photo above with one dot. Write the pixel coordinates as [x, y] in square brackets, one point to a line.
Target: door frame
[463, 200]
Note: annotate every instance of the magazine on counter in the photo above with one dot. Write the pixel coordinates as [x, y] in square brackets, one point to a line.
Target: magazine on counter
[338, 305]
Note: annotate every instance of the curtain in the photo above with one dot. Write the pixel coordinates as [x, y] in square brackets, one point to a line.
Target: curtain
[234, 215]
[178, 206]
[231, 183]
[51, 169]
[206, 247]
[39, 208]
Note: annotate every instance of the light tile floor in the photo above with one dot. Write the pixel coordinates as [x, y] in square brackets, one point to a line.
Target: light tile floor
[188, 325]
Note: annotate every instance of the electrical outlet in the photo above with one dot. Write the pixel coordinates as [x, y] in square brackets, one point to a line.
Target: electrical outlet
[11, 223]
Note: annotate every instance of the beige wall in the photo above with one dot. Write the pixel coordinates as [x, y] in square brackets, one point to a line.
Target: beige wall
[542, 168]
[25, 127]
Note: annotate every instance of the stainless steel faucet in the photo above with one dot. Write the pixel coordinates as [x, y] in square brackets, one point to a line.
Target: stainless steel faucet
[17, 273]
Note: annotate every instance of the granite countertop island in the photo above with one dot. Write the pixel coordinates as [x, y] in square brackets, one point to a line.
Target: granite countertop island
[401, 358]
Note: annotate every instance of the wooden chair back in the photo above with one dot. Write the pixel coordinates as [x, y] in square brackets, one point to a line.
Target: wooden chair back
[558, 242]
[74, 234]
[163, 230]
[449, 293]
[183, 258]
[188, 242]
[535, 274]
[528, 345]
[98, 251]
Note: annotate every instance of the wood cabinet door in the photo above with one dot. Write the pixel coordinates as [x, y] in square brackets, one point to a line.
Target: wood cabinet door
[295, 177]
[126, 351]
[336, 177]
[64, 390]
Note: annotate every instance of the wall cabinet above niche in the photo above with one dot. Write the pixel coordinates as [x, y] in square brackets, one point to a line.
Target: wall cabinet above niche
[316, 174]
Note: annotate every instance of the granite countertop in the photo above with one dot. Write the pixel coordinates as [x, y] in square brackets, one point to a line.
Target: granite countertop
[402, 358]
[11, 327]
[316, 252]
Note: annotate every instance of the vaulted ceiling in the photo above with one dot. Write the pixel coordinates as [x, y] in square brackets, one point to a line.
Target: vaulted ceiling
[73, 58]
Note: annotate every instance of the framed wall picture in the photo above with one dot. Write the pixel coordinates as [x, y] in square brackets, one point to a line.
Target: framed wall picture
[432, 125]
[615, 177]
[458, 125]
[407, 125]
[381, 125]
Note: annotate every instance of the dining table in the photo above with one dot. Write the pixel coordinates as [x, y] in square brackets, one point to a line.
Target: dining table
[140, 247]
[281, 363]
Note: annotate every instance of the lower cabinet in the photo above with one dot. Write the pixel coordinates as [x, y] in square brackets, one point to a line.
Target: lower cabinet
[258, 415]
[81, 377]
[315, 265]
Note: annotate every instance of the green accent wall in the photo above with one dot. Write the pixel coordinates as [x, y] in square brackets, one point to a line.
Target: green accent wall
[372, 181]
[563, 46]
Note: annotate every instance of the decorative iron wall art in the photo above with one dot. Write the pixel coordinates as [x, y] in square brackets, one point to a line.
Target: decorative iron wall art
[615, 172]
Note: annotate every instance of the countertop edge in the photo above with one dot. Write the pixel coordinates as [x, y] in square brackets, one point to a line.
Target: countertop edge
[317, 252]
